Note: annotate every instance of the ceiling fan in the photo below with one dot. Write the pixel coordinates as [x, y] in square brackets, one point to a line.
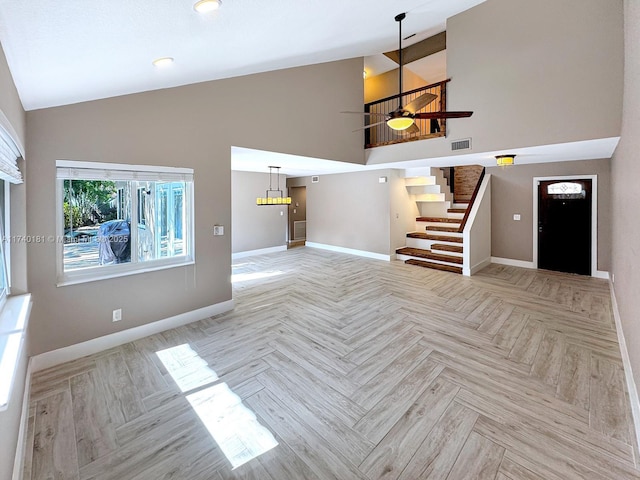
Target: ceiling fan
[403, 118]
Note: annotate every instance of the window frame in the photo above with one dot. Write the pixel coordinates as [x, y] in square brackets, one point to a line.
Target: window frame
[103, 272]
[5, 244]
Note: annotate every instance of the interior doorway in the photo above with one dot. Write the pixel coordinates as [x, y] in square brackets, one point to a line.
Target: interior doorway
[297, 216]
[565, 225]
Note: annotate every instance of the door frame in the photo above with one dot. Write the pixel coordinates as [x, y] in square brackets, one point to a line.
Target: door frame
[594, 218]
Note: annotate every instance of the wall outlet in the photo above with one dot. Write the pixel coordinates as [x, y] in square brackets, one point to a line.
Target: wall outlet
[218, 230]
[117, 315]
[516, 217]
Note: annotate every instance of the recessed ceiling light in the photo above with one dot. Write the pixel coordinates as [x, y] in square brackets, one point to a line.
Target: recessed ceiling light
[206, 6]
[163, 62]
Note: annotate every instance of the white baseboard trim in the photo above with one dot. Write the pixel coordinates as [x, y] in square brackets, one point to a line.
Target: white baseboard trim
[512, 263]
[477, 267]
[626, 363]
[261, 251]
[79, 350]
[523, 264]
[350, 251]
[21, 443]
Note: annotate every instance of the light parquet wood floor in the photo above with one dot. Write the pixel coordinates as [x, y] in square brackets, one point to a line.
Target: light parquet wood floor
[360, 369]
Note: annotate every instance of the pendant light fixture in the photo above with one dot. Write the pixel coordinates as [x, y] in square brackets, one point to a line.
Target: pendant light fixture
[398, 120]
[274, 196]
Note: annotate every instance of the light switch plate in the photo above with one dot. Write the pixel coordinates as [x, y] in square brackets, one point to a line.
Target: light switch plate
[516, 216]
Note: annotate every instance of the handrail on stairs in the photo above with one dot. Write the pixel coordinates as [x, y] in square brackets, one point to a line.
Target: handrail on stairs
[473, 199]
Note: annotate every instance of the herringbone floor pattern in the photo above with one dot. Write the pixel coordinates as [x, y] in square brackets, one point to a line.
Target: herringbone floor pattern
[360, 369]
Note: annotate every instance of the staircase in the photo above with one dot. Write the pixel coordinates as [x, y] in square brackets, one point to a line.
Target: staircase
[436, 243]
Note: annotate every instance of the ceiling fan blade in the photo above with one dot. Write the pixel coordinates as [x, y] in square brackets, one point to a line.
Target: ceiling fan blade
[420, 102]
[368, 126]
[412, 129]
[370, 114]
[428, 115]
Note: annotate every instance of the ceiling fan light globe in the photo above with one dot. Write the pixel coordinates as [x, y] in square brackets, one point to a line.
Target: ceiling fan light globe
[400, 123]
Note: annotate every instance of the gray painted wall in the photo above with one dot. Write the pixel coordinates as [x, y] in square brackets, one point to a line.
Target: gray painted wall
[625, 172]
[512, 192]
[349, 210]
[253, 227]
[533, 72]
[190, 126]
[11, 107]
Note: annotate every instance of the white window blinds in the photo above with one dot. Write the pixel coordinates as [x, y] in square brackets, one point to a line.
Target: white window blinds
[69, 170]
[9, 155]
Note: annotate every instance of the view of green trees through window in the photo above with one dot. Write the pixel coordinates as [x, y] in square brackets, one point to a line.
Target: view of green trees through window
[88, 202]
[110, 222]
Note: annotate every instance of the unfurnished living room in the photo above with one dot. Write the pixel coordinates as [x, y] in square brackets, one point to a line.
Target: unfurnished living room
[300, 240]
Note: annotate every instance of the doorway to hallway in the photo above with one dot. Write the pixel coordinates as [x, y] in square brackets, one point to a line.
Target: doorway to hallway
[297, 216]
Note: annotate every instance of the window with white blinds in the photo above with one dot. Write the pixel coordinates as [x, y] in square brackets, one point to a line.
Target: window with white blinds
[9, 154]
[13, 319]
[116, 219]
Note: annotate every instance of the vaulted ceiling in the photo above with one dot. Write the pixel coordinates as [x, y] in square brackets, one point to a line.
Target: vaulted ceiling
[70, 51]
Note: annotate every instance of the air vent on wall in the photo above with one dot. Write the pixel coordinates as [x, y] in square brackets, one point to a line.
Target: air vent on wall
[315, 179]
[463, 144]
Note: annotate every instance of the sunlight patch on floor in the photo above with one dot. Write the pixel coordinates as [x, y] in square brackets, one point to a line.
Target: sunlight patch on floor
[186, 367]
[233, 426]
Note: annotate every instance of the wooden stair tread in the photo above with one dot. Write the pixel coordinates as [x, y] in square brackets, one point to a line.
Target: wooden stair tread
[440, 238]
[435, 266]
[438, 219]
[422, 253]
[447, 248]
[435, 228]
[456, 210]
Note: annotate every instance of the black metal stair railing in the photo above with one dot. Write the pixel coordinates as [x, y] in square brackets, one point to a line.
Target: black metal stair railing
[383, 135]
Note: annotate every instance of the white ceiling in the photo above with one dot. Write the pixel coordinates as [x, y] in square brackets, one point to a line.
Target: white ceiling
[246, 159]
[68, 51]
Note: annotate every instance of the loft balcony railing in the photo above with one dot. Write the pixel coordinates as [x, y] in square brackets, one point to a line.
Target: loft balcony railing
[383, 135]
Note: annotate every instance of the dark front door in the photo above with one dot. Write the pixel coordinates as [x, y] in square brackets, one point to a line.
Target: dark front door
[564, 226]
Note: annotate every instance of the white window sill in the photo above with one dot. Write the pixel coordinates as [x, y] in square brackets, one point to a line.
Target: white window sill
[114, 271]
[14, 319]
